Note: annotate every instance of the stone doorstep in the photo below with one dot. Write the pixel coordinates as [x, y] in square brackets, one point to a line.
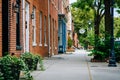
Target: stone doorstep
[22, 77]
[70, 50]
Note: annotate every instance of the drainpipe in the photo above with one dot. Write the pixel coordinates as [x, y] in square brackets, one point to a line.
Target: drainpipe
[23, 14]
[48, 29]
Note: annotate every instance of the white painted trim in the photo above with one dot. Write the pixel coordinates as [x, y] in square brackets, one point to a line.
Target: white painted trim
[40, 44]
[34, 24]
[23, 14]
[45, 44]
[27, 18]
[34, 44]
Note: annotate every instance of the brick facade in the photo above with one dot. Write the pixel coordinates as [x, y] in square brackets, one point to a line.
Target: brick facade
[75, 40]
[54, 27]
[43, 50]
[63, 9]
[40, 6]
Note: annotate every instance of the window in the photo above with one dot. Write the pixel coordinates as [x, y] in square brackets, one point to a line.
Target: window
[45, 37]
[40, 29]
[34, 27]
[18, 47]
[53, 34]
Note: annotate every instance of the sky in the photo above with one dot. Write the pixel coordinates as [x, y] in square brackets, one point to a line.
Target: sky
[71, 1]
[116, 14]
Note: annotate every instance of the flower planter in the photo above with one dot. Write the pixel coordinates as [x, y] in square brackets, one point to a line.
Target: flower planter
[31, 63]
[28, 62]
[31, 60]
[10, 72]
[35, 64]
[10, 67]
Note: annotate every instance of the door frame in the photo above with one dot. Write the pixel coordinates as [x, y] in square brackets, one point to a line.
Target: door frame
[26, 27]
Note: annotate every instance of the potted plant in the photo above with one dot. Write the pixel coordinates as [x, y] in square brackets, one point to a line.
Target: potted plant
[40, 62]
[31, 60]
[11, 67]
[70, 42]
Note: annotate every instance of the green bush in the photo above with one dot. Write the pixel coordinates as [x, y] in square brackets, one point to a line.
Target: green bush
[11, 67]
[117, 51]
[101, 51]
[32, 60]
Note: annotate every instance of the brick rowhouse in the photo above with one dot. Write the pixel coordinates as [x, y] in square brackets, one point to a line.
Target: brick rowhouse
[53, 27]
[28, 29]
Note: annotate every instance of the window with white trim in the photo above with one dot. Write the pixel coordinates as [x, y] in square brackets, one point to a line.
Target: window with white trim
[34, 26]
[40, 29]
[45, 27]
[53, 33]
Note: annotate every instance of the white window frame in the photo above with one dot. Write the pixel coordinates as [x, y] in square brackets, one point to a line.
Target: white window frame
[40, 44]
[45, 30]
[34, 27]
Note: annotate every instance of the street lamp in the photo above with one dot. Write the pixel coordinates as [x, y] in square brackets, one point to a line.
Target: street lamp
[82, 31]
[89, 25]
[96, 4]
[112, 61]
[32, 15]
[15, 7]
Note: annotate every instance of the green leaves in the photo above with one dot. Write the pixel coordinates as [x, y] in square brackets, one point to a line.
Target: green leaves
[117, 27]
[83, 4]
[70, 42]
[27, 56]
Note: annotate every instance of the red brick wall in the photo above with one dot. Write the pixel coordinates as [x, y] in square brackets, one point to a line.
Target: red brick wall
[0, 27]
[60, 6]
[54, 26]
[75, 40]
[12, 28]
[41, 5]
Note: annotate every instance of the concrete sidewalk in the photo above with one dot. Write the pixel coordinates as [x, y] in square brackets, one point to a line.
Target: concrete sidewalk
[76, 66]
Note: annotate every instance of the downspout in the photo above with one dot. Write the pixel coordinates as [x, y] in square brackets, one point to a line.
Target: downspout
[48, 29]
[23, 19]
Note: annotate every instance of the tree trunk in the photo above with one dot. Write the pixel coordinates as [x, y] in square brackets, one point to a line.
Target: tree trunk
[96, 29]
[96, 25]
[107, 24]
[107, 17]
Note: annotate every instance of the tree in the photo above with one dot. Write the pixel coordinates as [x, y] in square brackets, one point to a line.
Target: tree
[81, 21]
[98, 7]
[117, 5]
[117, 27]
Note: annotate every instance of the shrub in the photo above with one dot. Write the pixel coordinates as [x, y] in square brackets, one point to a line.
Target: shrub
[31, 60]
[70, 42]
[101, 51]
[11, 67]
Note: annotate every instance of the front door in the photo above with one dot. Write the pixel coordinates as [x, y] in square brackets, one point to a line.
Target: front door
[27, 27]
